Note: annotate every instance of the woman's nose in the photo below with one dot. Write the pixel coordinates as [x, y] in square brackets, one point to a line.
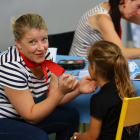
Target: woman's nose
[40, 46]
[138, 11]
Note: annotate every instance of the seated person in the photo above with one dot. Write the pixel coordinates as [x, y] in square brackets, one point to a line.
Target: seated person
[106, 66]
[26, 73]
[103, 23]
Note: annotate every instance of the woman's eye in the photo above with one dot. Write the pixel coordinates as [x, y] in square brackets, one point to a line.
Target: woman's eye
[32, 41]
[44, 39]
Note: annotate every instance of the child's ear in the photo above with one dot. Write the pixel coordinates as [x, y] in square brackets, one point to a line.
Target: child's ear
[93, 67]
[18, 44]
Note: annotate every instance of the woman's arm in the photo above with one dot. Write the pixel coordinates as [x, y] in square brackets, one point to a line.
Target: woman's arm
[135, 19]
[105, 26]
[23, 102]
[87, 85]
[93, 132]
[54, 85]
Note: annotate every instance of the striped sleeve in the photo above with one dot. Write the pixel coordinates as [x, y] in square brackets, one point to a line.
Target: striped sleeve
[13, 76]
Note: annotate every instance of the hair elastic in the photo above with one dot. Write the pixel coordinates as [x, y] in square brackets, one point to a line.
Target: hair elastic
[118, 56]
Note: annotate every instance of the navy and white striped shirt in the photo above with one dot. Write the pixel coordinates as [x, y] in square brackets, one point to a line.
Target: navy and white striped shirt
[85, 36]
[16, 75]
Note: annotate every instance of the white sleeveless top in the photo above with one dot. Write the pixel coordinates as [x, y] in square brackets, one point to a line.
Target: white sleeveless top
[85, 36]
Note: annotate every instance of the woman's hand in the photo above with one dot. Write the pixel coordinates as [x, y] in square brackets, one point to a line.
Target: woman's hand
[72, 138]
[87, 85]
[67, 83]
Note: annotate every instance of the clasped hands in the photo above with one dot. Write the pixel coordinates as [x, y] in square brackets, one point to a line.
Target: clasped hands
[68, 83]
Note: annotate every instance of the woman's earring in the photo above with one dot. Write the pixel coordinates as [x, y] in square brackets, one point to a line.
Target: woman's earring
[123, 6]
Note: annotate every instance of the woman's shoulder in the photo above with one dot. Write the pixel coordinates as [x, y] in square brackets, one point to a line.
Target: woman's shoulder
[99, 18]
[10, 55]
[98, 9]
[11, 60]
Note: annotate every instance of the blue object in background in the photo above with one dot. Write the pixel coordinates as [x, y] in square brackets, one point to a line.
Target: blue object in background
[135, 30]
[1, 53]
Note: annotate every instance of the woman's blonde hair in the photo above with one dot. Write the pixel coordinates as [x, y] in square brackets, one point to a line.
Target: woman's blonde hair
[25, 22]
[111, 65]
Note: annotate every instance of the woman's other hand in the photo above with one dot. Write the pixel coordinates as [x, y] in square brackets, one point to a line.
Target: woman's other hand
[87, 85]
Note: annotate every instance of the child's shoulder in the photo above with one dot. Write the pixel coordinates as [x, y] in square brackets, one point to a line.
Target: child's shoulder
[106, 94]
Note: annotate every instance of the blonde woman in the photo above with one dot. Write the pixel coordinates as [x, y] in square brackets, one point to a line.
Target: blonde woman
[26, 73]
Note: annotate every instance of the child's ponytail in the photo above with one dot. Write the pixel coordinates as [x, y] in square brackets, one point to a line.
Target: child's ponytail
[122, 78]
[111, 65]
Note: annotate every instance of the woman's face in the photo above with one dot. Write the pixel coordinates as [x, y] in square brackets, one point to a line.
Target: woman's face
[132, 7]
[34, 44]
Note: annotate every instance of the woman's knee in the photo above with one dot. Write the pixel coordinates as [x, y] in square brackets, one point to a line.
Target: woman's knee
[71, 113]
[22, 136]
[13, 129]
[40, 135]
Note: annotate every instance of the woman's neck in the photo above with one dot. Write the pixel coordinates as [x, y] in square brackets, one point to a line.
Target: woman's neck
[37, 71]
[121, 9]
[106, 6]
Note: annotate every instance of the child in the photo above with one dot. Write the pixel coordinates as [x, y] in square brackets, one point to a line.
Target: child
[109, 67]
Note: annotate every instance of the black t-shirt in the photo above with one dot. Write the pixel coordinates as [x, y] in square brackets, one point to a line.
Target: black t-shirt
[106, 105]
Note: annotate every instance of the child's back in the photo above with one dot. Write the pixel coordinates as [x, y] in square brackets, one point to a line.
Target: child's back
[106, 105]
[109, 68]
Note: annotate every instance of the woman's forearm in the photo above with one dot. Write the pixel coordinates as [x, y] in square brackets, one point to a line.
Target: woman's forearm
[41, 110]
[70, 96]
[131, 53]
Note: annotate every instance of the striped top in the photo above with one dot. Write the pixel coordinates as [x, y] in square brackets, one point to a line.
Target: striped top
[16, 75]
[85, 36]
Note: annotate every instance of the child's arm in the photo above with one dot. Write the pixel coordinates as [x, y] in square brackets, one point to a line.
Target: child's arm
[93, 132]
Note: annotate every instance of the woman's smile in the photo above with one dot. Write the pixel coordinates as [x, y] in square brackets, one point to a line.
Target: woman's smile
[40, 54]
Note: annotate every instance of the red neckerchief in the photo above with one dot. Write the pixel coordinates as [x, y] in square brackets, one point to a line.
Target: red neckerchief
[53, 67]
[120, 31]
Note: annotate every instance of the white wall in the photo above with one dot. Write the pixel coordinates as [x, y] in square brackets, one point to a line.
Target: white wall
[124, 32]
[59, 15]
